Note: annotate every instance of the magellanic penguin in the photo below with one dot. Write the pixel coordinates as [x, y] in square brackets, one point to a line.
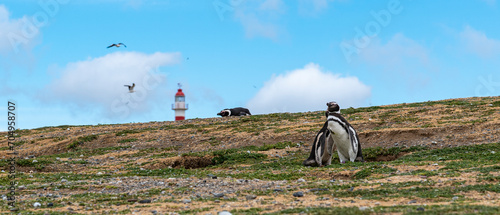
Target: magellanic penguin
[321, 151]
[320, 155]
[345, 138]
[333, 107]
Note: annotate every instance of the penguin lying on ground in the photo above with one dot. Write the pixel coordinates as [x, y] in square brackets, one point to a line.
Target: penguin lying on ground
[239, 111]
[335, 132]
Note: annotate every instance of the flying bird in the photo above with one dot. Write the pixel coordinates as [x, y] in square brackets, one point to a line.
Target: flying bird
[130, 88]
[117, 45]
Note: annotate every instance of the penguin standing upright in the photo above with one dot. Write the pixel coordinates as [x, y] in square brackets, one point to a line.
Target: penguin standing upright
[321, 151]
[345, 138]
[336, 131]
[318, 155]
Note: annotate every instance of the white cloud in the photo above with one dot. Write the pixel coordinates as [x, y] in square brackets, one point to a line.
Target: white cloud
[308, 89]
[98, 83]
[312, 7]
[255, 27]
[490, 2]
[397, 53]
[272, 5]
[260, 18]
[17, 35]
[400, 60]
[478, 43]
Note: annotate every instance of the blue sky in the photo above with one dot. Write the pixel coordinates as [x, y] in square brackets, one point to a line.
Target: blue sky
[267, 55]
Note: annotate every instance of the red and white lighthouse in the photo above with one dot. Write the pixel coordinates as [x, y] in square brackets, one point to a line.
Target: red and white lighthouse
[180, 105]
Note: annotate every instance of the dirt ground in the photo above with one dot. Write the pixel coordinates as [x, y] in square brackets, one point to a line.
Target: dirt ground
[439, 125]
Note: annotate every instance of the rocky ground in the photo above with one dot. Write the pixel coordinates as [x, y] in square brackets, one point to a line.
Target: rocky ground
[436, 156]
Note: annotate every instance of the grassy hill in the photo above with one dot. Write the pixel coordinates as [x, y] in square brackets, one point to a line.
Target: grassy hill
[436, 156]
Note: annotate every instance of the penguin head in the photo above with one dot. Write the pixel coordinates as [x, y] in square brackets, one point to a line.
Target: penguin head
[333, 107]
[224, 113]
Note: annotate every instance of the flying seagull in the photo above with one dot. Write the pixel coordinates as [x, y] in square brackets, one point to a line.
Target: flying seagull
[130, 88]
[117, 45]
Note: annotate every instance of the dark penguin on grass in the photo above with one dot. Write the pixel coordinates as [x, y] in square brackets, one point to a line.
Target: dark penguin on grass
[335, 132]
[239, 111]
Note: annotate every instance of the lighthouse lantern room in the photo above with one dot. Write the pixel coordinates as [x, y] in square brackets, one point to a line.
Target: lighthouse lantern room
[180, 105]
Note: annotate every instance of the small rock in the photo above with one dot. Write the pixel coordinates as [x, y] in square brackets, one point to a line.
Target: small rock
[154, 212]
[298, 194]
[412, 201]
[420, 209]
[37, 204]
[186, 201]
[50, 204]
[224, 213]
[351, 189]
[278, 190]
[454, 198]
[212, 176]
[318, 189]
[301, 180]
[364, 208]
[144, 201]
[218, 195]
[250, 197]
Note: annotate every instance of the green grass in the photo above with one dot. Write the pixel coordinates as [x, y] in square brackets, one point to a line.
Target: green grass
[82, 140]
[128, 140]
[249, 162]
[232, 156]
[478, 153]
[321, 211]
[368, 171]
[39, 164]
[125, 132]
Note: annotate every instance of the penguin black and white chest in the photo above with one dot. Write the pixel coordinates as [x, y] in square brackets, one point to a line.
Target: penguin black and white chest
[321, 151]
[344, 137]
